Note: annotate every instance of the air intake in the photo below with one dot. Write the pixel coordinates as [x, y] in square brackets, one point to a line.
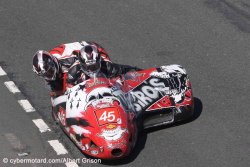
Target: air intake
[116, 152]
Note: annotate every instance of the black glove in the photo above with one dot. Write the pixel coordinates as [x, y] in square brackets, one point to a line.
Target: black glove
[113, 69]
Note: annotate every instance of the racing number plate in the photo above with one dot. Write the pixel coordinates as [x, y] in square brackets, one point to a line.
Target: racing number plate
[107, 115]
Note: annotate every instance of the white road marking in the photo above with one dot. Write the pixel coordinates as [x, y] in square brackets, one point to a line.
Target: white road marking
[26, 105]
[71, 164]
[14, 141]
[11, 86]
[42, 126]
[58, 147]
[2, 72]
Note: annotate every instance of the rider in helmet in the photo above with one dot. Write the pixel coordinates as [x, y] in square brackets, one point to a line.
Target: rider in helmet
[54, 65]
[90, 61]
[45, 65]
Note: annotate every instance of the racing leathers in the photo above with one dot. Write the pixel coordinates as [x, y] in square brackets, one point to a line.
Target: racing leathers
[66, 56]
[76, 74]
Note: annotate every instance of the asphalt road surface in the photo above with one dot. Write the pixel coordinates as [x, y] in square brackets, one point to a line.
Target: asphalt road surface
[210, 38]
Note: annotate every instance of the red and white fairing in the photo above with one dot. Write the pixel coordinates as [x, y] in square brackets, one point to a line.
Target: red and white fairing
[100, 115]
[105, 128]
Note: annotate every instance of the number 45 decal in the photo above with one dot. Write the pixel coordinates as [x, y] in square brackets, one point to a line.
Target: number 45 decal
[110, 116]
[107, 115]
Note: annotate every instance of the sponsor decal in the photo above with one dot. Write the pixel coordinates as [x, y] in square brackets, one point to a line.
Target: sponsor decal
[145, 94]
[134, 76]
[113, 134]
[154, 88]
[111, 126]
[97, 82]
[102, 104]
